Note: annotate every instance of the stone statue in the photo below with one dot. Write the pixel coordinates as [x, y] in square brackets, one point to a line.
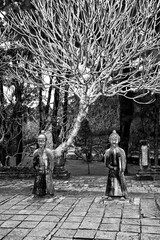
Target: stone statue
[115, 160]
[43, 163]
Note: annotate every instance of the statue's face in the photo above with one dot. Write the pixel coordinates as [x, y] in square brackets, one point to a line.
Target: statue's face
[41, 141]
[114, 141]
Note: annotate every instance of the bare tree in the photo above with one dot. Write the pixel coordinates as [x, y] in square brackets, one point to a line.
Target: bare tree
[89, 43]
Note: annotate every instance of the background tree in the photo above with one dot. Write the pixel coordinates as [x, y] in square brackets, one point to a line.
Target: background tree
[93, 41]
[3, 66]
[84, 140]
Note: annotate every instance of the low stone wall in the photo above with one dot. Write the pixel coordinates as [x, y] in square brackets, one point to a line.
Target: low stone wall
[13, 172]
[13, 175]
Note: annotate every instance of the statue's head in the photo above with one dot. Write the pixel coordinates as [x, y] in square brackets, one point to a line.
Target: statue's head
[114, 138]
[42, 139]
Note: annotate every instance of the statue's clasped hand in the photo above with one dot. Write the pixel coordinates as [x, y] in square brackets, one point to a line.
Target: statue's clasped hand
[113, 168]
[41, 170]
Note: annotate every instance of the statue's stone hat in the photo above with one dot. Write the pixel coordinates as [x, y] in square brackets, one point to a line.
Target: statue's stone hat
[42, 135]
[114, 134]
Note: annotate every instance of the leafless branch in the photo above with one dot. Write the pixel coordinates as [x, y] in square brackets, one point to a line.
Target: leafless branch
[93, 41]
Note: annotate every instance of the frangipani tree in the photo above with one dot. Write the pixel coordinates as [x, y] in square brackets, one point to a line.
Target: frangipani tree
[88, 44]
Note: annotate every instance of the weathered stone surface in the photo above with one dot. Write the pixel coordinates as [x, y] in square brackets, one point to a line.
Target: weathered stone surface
[131, 215]
[36, 218]
[19, 233]
[38, 212]
[136, 201]
[46, 225]
[33, 238]
[111, 220]
[51, 218]
[27, 212]
[149, 208]
[74, 219]
[77, 214]
[5, 216]
[131, 221]
[56, 213]
[93, 219]
[105, 235]
[127, 236]
[10, 224]
[151, 229]
[60, 217]
[149, 236]
[88, 234]
[68, 233]
[28, 224]
[36, 232]
[131, 212]
[1, 222]
[150, 222]
[5, 231]
[12, 211]
[109, 227]
[158, 200]
[70, 225]
[56, 238]
[115, 213]
[89, 225]
[130, 228]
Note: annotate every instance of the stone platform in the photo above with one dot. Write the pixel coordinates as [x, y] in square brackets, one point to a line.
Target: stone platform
[79, 210]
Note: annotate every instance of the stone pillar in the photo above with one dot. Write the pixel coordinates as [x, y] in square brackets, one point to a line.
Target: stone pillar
[144, 161]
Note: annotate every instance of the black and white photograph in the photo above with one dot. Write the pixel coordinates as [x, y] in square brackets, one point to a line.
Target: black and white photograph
[79, 120]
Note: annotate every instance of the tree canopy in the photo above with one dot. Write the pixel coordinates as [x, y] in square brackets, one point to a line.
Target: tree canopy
[94, 47]
[90, 43]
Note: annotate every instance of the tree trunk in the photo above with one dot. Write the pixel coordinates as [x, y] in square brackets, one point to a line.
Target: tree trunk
[55, 132]
[156, 131]
[83, 110]
[2, 123]
[40, 106]
[2, 120]
[59, 171]
[19, 140]
[65, 109]
[18, 119]
[126, 116]
[48, 100]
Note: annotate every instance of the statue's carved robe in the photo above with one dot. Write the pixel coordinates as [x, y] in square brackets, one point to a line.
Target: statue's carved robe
[115, 160]
[43, 164]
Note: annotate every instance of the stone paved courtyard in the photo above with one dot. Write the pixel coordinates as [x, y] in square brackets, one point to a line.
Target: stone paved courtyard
[79, 211]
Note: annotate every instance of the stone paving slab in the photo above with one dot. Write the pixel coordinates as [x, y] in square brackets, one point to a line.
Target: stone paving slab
[78, 215]
[77, 227]
[127, 236]
[149, 237]
[105, 235]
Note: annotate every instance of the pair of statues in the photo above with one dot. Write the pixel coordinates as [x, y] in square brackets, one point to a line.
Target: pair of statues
[115, 160]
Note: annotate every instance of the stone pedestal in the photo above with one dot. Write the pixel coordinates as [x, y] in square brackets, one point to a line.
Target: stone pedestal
[59, 171]
[152, 173]
[144, 175]
[155, 171]
[144, 162]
